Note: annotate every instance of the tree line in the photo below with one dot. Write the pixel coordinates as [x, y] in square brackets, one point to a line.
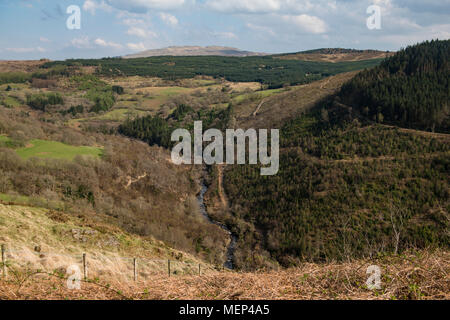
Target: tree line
[410, 89]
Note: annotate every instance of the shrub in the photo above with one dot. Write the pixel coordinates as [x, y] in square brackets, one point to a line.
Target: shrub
[118, 89]
[41, 100]
[103, 101]
[14, 77]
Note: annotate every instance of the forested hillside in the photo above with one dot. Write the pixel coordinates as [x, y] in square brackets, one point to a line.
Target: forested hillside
[157, 130]
[349, 185]
[410, 89]
[267, 70]
[343, 190]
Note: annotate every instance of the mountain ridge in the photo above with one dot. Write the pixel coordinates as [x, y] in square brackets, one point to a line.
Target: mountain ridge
[194, 51]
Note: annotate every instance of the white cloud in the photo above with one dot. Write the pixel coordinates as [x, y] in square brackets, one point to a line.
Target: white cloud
[169, 19]
[140, 32]
[141, 6]
[267, 6]
[86, 43]
[102, 43]
[81, 43]
[136, 46]
[261, 29]
[43, 39]
[307, 23]
[133, 22]
[441, 32]
[91, 6]
[252, 6]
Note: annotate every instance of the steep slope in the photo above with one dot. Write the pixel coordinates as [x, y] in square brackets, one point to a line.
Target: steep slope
[51, 241]
[410, 89]
[347, 186]
[36, 169]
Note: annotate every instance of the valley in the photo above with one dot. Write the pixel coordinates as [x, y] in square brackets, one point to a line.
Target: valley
[85, 167]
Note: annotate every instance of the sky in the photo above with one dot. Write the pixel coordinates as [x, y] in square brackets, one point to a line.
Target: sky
[35, 29]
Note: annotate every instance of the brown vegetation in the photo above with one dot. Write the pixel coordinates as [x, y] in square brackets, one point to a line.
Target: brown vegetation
[284, 106]
[338, 57]
[21, 66]
[415, 276]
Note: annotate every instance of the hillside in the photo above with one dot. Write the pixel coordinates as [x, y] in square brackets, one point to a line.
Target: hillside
[194, 51]
[413, 276]
[346, 185]
[269, 71]
[335, 55]
[85, 170]
[410, 89]
[51, 241]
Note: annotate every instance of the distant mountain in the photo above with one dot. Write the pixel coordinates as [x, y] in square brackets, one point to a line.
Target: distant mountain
[194, 51]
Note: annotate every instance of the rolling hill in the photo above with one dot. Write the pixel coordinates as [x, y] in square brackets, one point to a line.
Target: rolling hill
[335, 55]
[194, 51]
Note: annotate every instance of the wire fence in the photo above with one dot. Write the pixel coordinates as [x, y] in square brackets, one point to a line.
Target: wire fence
[98, 265]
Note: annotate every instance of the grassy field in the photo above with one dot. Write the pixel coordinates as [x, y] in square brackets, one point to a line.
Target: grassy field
[31, 201]
[56, 150]
[10, 101]
[116, 115]
[259, 94]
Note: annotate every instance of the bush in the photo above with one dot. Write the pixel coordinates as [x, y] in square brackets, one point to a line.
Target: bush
[41, 100]
[118, 89]
[14, 77]
[103, 101]
[73, 110]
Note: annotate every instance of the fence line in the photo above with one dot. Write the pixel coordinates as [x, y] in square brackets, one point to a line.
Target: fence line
[137, 265]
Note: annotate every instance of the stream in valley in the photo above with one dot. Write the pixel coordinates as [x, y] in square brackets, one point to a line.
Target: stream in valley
[233, 239]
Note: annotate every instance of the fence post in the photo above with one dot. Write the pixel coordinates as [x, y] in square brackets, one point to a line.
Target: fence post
[3, 261]
[199, 270]
[85, 271]
[135, 269]
[168, 266]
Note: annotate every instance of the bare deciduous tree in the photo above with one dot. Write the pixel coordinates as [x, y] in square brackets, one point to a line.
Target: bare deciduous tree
[397, 216]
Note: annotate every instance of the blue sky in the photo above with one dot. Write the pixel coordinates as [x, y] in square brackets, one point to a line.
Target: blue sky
[34, 29]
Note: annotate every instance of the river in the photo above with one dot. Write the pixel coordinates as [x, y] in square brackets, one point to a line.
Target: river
[233, 239]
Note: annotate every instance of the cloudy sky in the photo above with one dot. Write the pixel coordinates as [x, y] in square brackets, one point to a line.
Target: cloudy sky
[33, 29]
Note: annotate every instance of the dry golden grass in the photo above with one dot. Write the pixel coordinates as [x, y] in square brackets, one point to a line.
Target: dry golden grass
[20, 66]
[283, 106]
[39, 239]
[422, 275]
